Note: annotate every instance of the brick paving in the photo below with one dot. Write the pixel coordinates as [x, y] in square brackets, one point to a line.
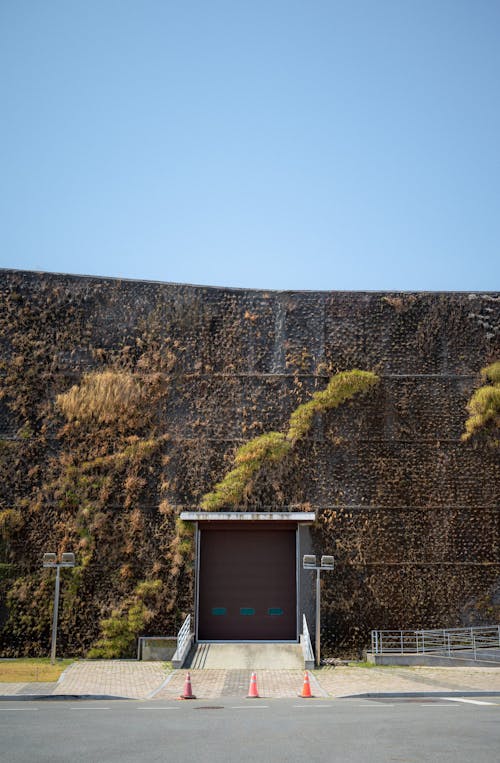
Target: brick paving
[344, 681]
[215, 683]
[118, 678]
[206, 684]
[38, 687]
[142, 680]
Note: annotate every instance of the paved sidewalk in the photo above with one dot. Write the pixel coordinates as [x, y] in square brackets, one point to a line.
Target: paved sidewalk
[115, 678]
[346, 681]
[38, 687]
[118, 678]
[143, 680]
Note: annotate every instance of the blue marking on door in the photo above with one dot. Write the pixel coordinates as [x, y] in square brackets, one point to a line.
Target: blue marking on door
[274, 611]
[219, 610]
[247, 611]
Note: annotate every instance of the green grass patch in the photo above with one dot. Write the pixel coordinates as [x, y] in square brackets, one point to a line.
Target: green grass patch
[32, 669]
[364, 664]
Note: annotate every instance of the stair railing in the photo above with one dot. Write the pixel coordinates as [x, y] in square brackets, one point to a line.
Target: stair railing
[184, 643]
[307, 650]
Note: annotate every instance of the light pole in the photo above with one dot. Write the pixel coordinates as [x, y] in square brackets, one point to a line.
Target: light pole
[50, 560]
[309, 563]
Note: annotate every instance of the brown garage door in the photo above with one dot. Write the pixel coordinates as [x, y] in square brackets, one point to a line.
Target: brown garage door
[247, 585]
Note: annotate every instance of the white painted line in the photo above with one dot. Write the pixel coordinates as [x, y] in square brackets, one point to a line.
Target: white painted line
[313, 705]
[249, 707]
[157, 708]
[436, 704]
[90, 708]
[6, 709]
[468, 701]
[376, 704]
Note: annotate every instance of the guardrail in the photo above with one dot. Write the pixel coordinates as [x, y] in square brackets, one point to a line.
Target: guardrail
[184, 642]
[438, 641]
[307, 649]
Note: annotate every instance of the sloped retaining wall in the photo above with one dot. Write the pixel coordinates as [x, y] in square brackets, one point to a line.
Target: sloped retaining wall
[410, 512]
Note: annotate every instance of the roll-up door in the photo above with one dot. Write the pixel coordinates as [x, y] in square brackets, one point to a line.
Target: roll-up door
[247, 584]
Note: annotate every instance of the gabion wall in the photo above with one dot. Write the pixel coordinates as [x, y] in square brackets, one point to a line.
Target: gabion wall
[410, 512]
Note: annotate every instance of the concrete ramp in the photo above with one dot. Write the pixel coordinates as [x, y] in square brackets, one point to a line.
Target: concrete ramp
[484, 659]
[233, 656]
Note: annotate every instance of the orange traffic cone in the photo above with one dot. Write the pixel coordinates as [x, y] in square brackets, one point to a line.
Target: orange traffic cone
[252, 691]
[188, 692]
[306, 688]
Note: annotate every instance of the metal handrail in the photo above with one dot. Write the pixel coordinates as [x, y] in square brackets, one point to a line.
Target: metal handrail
[184, 641]
[307, 649]
[438, 640]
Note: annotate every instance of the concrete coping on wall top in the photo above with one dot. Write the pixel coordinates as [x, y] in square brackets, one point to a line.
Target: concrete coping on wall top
[304, 517]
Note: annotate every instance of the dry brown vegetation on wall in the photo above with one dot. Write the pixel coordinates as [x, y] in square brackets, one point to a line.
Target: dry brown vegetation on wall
[484, 405]
[123, 403]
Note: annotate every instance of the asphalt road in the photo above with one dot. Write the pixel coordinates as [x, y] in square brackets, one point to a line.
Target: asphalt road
[376, 731]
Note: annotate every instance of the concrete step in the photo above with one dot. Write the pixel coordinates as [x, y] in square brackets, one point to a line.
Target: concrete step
[199, 656]
[256, 656]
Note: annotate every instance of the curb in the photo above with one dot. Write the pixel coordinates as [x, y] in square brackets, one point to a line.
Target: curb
[56, 697]
[164, 683]
[444, 692]
[320, 692]
[368, 695]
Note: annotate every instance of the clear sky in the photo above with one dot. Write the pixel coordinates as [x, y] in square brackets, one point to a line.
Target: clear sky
[276, 144]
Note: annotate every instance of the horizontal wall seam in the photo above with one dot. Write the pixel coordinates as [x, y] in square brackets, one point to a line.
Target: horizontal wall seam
[310, 507]
[74, 370]
[6, 435]
[326, 378]
[416, 564]
[346, 564]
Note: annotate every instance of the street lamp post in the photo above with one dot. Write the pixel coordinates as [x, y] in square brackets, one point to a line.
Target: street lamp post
[309, 563]
[50, 560]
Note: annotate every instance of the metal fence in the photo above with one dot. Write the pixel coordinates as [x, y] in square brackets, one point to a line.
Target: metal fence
[438, 641]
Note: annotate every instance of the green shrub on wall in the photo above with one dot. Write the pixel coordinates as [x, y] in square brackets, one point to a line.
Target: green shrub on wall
[249, 458]
[484, 405]
[341, 387]
[11, 521]
[120, 631]
[7, 571]
[274, 446]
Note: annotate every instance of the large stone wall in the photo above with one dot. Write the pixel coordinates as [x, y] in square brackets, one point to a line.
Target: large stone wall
[410, 512]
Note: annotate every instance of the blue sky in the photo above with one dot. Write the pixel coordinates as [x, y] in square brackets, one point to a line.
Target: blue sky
[263, 144]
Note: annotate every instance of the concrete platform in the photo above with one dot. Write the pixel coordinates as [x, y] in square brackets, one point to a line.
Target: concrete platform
[239, 656]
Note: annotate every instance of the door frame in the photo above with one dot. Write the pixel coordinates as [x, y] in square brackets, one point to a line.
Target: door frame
[255, 519]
